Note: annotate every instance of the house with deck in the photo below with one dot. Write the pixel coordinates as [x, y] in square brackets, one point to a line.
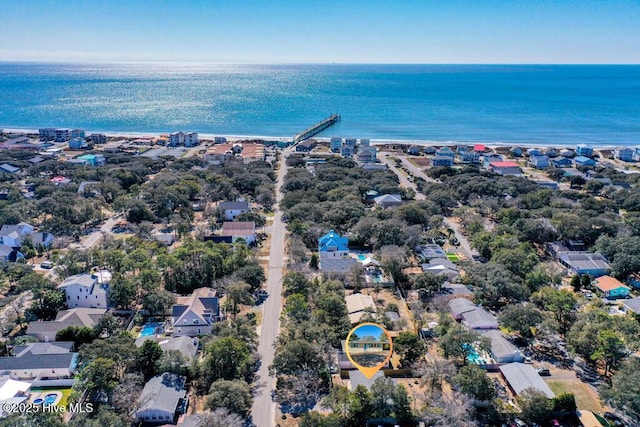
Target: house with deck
[87, 290]
[163, 399]
[194, 315]
[611, 288]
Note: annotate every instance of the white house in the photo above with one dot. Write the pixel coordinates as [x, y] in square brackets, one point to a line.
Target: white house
[12, 235]
[239, 230]
[233, 209]
[86, 290]
[191, 139]
[194, 315]
[163, 398]
[51, 360]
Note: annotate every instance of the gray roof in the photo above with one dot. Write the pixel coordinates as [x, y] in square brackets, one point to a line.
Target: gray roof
[74, 317]
[40, 355]
[457, 289]
[8, 168]
[36, 159]
[632, 304]
[186, 345]
[521, 376]
[392, 315]
[480, 319]
[457, 306]
[585, 261]
[338, 265]
[235, 205]
[388, 198]
[501, 348]
[357, 378]
[84, 279]
[163, 393]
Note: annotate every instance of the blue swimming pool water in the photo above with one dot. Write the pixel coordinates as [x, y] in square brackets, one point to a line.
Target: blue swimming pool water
[50, 398]
[149, 329]
[474, 357]
[361, 257]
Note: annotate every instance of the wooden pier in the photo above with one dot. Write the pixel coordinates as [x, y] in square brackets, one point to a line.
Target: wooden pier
[317, 128]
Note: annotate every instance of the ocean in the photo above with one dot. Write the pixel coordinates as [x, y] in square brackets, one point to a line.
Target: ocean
[535, 104]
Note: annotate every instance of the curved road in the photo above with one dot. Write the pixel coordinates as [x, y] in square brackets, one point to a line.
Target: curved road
[263, 410]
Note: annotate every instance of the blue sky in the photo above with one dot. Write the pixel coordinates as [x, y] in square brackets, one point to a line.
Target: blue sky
[346, 31]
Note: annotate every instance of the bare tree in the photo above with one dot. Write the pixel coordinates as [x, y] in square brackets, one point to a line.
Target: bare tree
[219, 417]
[449, 410]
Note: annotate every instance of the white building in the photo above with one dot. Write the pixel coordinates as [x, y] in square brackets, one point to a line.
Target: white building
[86, 290]
[12, 235]
[233, 209]
[194, 315]
[191, 139]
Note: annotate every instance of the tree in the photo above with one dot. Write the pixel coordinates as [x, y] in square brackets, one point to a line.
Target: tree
[235, 396]
[610, 349]
[427, 284]
[474, 382]
[535, 405]
[393, 260]
[459, 342]
[147, 357]
[522, 319]
[78, 334]
[295, 283]
[98, 378]
[314, 263]
[238, 293]
[444, 410]
[220, 417]
[296, 356]
[566, 402]
[227, 358]
[107, 325]
[158, 302]
[253, 274]
[390, 400]
[46, 304]
[409, 347]
[624, 391]
[561, 303]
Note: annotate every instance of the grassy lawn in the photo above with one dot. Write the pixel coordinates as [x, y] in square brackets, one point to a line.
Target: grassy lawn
[585, 397]
[453, 257]
[66, 392]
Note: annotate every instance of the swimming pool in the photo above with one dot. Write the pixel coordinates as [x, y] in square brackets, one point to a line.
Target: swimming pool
[361, 257]
[474, 357]
[150, 329]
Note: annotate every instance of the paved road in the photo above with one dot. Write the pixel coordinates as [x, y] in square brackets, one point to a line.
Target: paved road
[404, 181]
[264, 409]
[90, 240]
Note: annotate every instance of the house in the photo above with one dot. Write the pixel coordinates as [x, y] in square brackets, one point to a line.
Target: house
[47, 134]
[357, 378]
[332, 245]
[551, 152]
[219, 140]
[562, 162]
[77, 144]
[233, 209]
[388, 200]
[429, 150]
[98, 138]
[442, 161]
[520, 376]
[533, 152]
[539, 162]
[247, 152]
[414, 150]
[367, 155]
[239, 230]
[475, 317]
[185, 345]
[10, 254]
[457, 290]
[168, 238]
[62, 135]
[13, 235]
[40, 361]
[306, 145]
[489, 158]
[584, 150]
[80, 317]
[12, 392]
[463, 149]
[346, 151]
[350, 142]
[470, 157]
[87, 290]
[191, 139]
[94, 159]
[365, 142]
[502, 350]
[584, 161]
[624, 154]
[163, 399]
[551, 185]
[632, 305]
[445, 152]
[427, 252]
[612, 288]
[36, 159]
[7, 168]
[567, 153]
[505, 168]
[516, 152]
[441, 266]
[593, 264]
[335, 144]
[479, 148]
[194, 315]
[359, 304]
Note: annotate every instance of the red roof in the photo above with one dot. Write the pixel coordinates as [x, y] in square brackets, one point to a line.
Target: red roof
[504, 164]
[478, 147]
[608, 283]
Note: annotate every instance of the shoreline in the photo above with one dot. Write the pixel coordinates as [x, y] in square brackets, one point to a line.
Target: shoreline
[373, 141]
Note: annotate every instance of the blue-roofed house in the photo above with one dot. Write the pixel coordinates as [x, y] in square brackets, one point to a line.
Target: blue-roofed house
[584, 150]
[625, 154]
[94, 159]
[446, 151]
[77, 143]
[516, 152]
[415, 150]
[539, 162]
[534, 152]
[332, 245]
[346, 151]
[584, 161]
[563, 162]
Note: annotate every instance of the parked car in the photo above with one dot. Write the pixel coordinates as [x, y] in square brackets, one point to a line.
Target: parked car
[46, 264]
[528, 360]
[544, 372]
